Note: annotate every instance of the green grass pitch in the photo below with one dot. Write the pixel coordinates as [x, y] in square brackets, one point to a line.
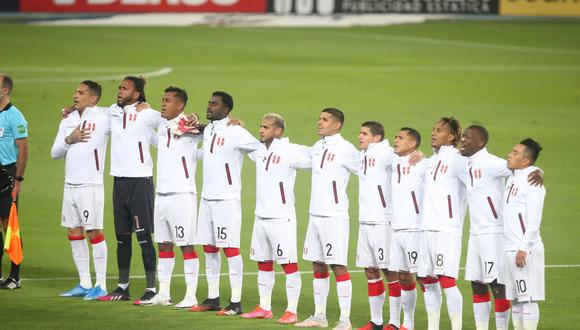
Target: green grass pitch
[519, 79]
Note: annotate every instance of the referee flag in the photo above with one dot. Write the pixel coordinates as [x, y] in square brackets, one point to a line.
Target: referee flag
[12, 244]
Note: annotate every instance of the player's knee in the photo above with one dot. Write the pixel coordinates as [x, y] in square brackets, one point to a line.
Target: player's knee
[123, 239]
[479, 288]
[498, 290]
[188, 249]
[75, 232]
[290, 268]
[340, 271]
[318, 267]
[390, 275]
[94, 233]
[144, 238]
[372, 273]
[231, 252]
[406, 279]
[165, 247]
[447, 282]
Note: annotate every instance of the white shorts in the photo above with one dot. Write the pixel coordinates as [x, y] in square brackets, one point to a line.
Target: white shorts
[82, 207]
[274, 239]
[404, 255]
[439, 254]
[374, 242]
[175, 218]
[485, 258]
[219, 223]
[525, 284]
[327, 240]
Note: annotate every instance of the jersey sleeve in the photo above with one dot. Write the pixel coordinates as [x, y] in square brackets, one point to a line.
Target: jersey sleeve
[18, 125]
[498, 168]
[245, 141]
[352, 160]
[301, 157]
[535, 206]
[59, 147]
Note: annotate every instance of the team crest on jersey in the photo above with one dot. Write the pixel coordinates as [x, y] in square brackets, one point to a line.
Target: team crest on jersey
[330, 157]
[514, 191]
[132, 117]
[276, 159]
[220, 141]
[443, 169]
[91, 127]
[371, 162]
[406, 170]
[477, 173]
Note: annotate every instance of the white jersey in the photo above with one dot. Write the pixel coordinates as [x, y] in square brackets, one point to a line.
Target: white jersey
[484, 179]
[132, 132]
[176, 160]
[223, 148]
[407, 182]
[522, 212]
[333, 158]
[84, 161]
[374, 198]
[444, 201]
[275, 177]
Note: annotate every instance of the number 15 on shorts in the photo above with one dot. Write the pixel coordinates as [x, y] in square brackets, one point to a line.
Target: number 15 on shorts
[221, 234]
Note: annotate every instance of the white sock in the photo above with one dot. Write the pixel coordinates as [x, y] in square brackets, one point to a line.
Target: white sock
[433, 305]
[409, 301]
[293, 287]
[80, 252]
[213, 266]
[531, 315]
[376, 291]
[164, 270]
[502, 319]
[100, 263]
[191, 274]
[236, 271]
[344, 292]
[321, 286]
[266, 281]
[454, 307]
[481, 311]
[518, 315]
[395, 303]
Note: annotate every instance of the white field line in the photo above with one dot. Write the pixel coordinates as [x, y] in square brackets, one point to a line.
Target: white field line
[226, 274]
[157, 73]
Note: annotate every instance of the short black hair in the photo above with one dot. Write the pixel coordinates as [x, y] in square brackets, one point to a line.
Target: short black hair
[227, 99]
[180, 93]
[533, 149]
[482, 132]
[415, 135]
[139, 83]
[94, 88]
[455, 128]
[7, 82]
[375, 127]
[336, 113]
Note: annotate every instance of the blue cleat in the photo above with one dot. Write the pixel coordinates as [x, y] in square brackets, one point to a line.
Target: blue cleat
[77, 291]
[95, 293]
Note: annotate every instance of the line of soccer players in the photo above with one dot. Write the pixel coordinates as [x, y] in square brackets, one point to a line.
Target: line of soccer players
[411, 210]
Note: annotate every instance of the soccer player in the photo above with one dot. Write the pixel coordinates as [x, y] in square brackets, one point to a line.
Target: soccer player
[407, 183]
[13, 158]
[175, 212]
[274, 233]
[444, 207]
[132, 131]
[326, 243]
[82, 140]
[375, 212]
[524, 249]
[220, 214]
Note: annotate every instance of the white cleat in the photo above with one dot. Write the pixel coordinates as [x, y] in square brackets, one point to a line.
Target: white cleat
[313, 321]
[343, 325]
[187, 302]
[157, 300]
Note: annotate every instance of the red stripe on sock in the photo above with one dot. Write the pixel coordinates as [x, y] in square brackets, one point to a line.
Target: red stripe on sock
[210, 249]
[447, 282]
[318, 275]
[376, 288]
[394, 289]
[166, 254]
[266, 266]
[98, 239]
[189, 255]
[481, 298]
[502, 305]
[232, 252]
[75, 238]
[409, 287]
[290, 268]
[343, 277]
[429, 280]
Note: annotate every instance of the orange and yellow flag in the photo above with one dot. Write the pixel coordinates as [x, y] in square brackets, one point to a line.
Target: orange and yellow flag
[12, 244]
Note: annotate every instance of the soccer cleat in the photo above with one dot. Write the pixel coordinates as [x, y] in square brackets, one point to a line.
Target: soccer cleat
[10, 284]
[390, 327]
[157, 300]
[342, 325]
[208, 305]
[258, 313]
[288, 318]
[314, 321]
[231, 310]
[187, 302]
[77, 291]
[95, 293]
[371, 326]
[116, 295]
[145, 298]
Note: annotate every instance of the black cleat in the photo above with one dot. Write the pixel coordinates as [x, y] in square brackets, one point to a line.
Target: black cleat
[145, 298]
[231, 309]
[10, 284]
[116, 295]
[208, 305]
